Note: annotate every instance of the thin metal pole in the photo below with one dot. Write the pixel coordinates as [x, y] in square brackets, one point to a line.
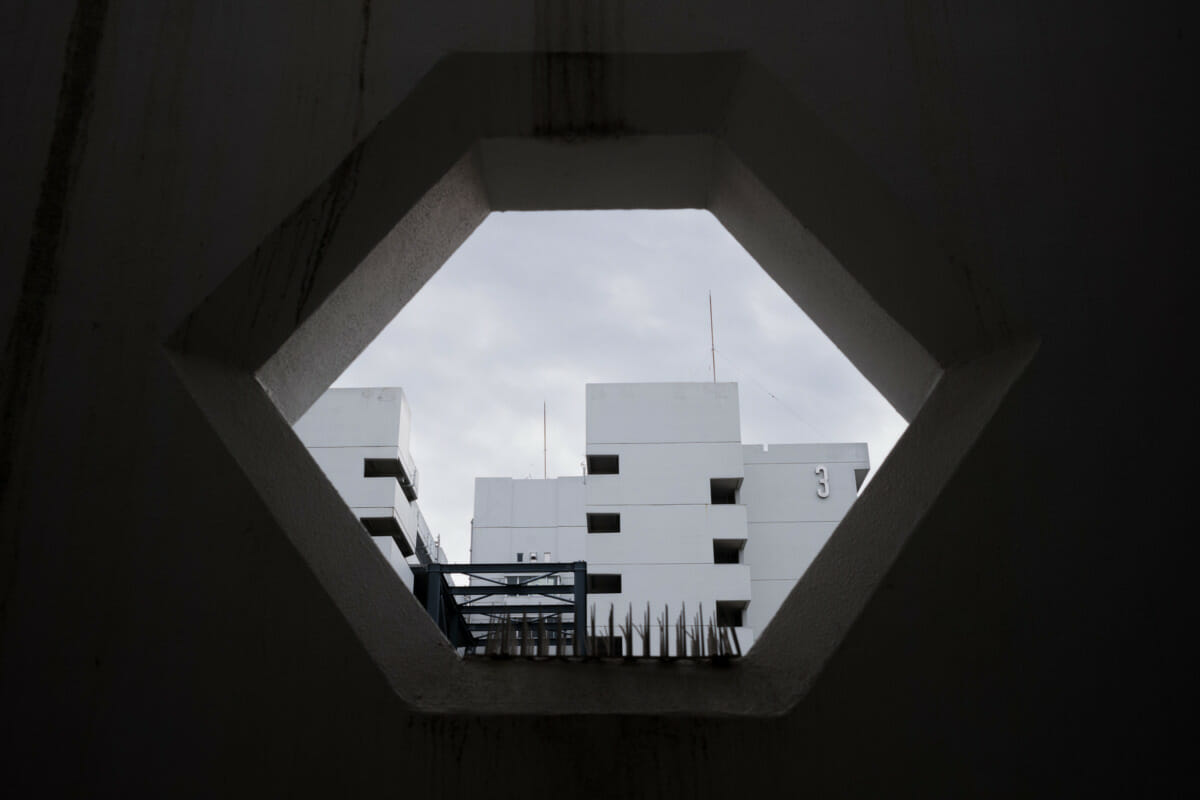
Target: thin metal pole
[543, 439]
[580, 578]
[712, 338]
[433, 593]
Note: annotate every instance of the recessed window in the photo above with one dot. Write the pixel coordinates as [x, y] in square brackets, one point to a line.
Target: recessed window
[604, 584]
[603, 465]
[604, 523]
[727, 551]
[724, 490]
[730, 613]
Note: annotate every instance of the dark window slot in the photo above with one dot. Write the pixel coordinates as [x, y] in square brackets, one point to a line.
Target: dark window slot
[603, 465]
[603, 584]
[604, 523]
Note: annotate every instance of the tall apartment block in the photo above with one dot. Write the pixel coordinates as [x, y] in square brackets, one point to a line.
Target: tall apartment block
[674, 510]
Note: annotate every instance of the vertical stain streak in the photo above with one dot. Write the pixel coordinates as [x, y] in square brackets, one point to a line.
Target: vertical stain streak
[317, 219]
[333, 205]
[24, 349]
[362, 69]
[563, 63]
[577, 82]
[540, 79]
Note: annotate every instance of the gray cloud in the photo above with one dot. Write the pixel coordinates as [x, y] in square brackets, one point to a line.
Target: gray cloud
[535, 305]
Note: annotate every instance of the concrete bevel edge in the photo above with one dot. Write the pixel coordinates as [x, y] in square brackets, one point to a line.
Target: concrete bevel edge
[245, 403]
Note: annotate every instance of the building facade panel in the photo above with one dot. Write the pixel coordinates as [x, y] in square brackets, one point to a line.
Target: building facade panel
[663, 472]
[725, 522]
[674, 584]
[571, 497]
[493, 502]
[807, 452]
[344, 468]
[626, 413]
[768, 596]
[667, 534]
[516, 520]
[535, 502]
[783, 550]
[802, 488]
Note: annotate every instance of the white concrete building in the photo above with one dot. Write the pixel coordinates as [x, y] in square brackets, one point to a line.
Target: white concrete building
[360, 439]
[674, 510]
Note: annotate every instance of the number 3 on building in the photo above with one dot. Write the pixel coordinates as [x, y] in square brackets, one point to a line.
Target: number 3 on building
[822, 481]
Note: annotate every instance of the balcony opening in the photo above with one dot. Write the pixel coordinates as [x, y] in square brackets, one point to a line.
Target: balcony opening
[390, 528]
[724, 491]
[731, 613]
[391, 468]
[728, 551]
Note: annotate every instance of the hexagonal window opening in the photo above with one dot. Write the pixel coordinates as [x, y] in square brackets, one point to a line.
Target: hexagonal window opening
[487, 132]
[494, 353]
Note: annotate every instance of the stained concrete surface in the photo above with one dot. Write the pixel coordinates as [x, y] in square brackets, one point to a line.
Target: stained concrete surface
[172, 621]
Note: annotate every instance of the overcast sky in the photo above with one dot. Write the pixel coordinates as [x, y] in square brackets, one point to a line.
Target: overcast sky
[537, 304]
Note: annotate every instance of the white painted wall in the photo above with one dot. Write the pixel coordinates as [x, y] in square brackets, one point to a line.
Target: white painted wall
[366, 417]
[662, 472]
[789, 522]
[662, 412]
[672, 439]
[524, 516]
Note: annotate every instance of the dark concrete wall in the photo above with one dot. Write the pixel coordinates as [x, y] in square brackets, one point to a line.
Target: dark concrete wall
[161, 631]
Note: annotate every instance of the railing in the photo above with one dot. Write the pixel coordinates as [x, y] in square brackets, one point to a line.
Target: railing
[428, 550]
[461, 612]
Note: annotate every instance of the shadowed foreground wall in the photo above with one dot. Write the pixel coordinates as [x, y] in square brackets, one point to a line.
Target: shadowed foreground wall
[160, 632]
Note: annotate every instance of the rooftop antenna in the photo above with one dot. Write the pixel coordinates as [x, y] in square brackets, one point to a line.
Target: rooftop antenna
[544, 439]
[711, 336]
